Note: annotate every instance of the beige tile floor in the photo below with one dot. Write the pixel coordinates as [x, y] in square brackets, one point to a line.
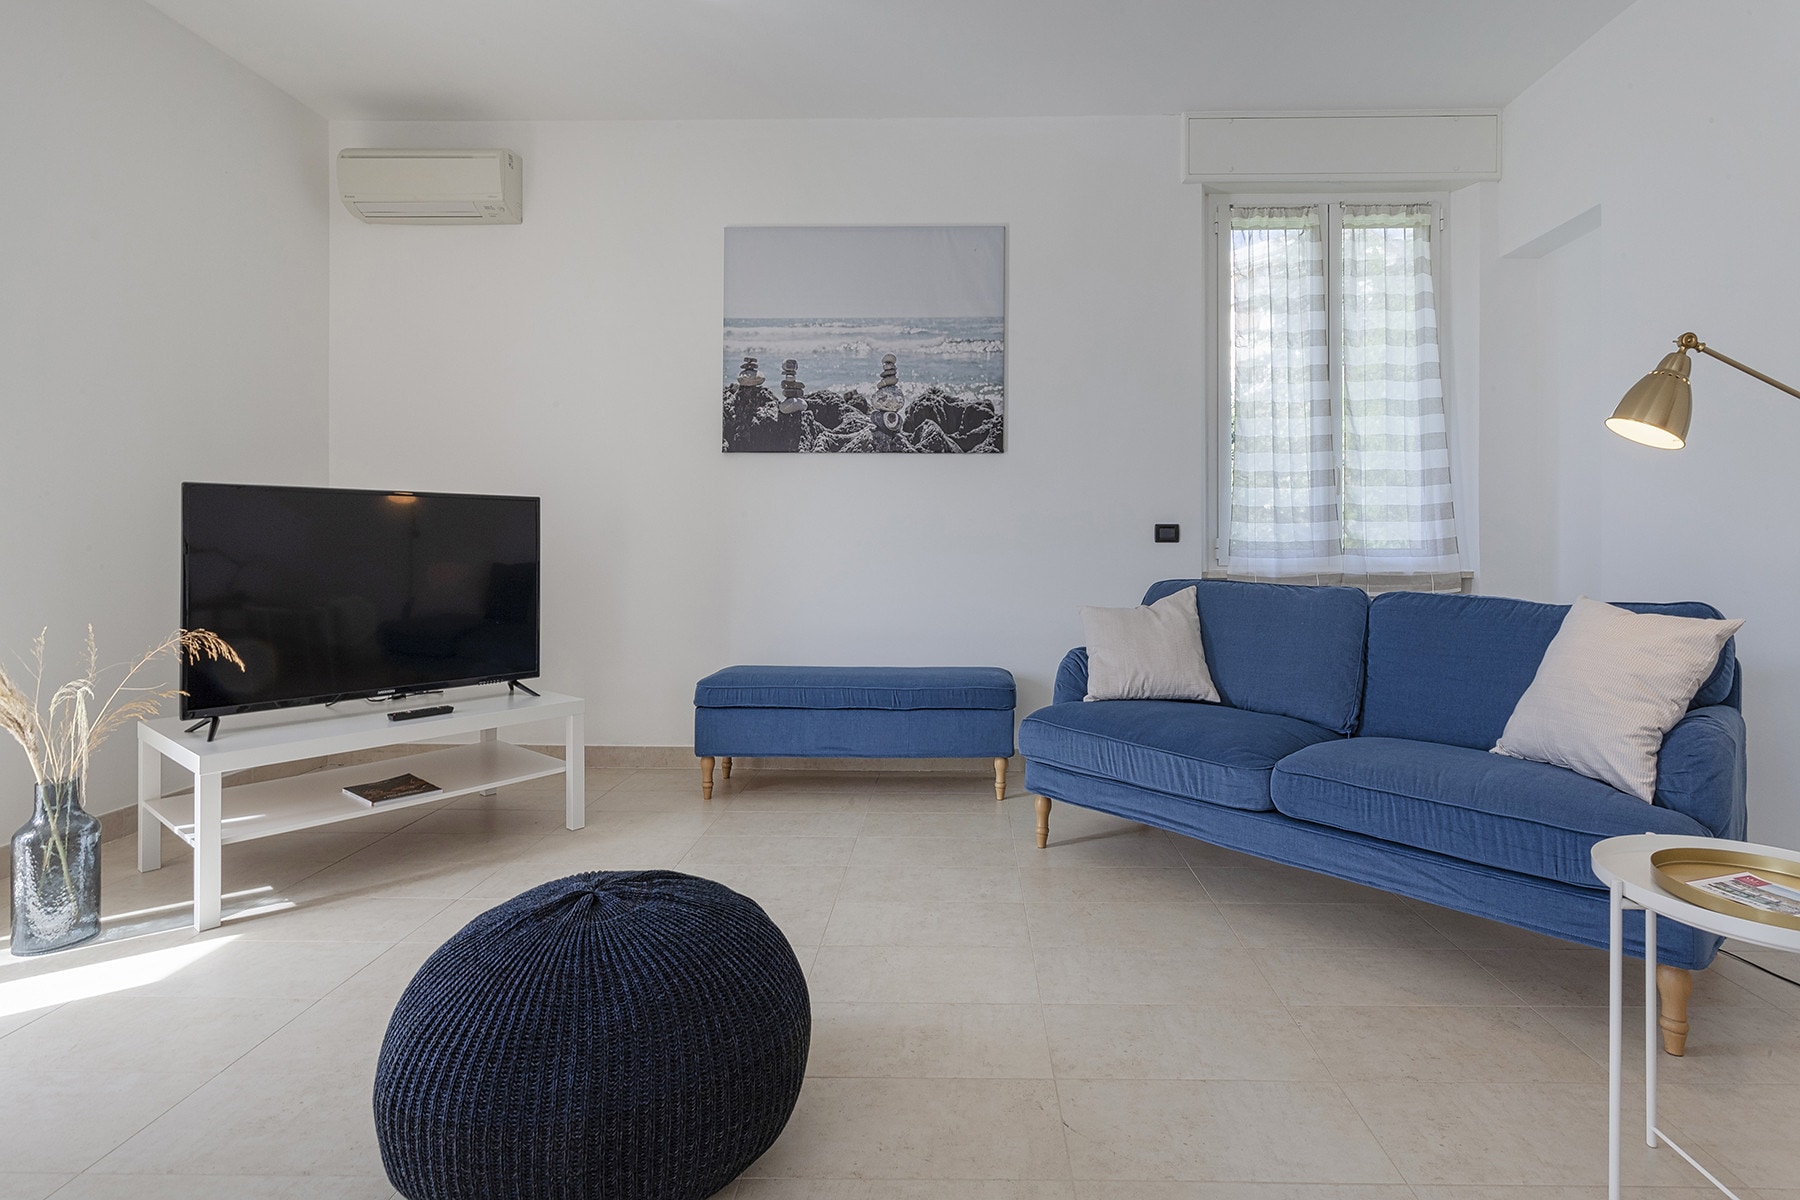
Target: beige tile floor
[1124, 1016]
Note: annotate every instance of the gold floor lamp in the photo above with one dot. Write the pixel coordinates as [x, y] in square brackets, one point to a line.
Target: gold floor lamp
[1656, 409]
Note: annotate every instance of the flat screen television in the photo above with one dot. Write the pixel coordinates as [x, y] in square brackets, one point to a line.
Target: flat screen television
[330, 594]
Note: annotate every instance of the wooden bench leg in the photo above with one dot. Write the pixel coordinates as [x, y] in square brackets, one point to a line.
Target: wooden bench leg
[706, 770]
[999, 779]
[727, 765]
[1043, 821]
[1674, 985]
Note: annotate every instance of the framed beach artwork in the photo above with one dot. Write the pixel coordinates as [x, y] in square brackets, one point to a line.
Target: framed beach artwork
[865, 340]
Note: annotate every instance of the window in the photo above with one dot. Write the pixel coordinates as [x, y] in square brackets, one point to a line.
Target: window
[1335, 438]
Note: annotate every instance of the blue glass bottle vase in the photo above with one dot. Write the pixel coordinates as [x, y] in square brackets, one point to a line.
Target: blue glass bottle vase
[55, 872]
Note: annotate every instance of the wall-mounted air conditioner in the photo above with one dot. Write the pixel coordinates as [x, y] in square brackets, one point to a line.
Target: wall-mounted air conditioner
[431, 187]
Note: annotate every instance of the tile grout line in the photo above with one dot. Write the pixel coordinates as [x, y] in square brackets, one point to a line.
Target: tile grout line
[1037, 979]
[1338, 1084]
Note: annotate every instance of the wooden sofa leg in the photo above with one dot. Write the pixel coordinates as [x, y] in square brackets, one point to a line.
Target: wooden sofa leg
[1675, 985]
[999, 779]
[726, 763]
[706, 770]
[1043, 821]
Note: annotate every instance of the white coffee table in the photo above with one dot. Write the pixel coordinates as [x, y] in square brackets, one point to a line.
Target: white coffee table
[1623, 865]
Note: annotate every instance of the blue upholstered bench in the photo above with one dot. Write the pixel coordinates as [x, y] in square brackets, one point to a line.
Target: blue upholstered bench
[854, 712]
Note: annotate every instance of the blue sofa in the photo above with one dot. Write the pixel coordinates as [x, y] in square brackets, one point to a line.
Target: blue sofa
[1352, 739]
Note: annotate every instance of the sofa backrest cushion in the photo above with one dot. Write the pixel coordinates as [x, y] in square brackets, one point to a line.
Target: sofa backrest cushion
[1450, 669]
[1282, 649]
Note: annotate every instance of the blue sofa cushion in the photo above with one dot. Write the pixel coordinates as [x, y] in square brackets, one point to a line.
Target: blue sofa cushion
[1700, 770]
[1071, 676]
[1483, 808]
[856, 687]
[1177, 747]
[1446, 668]
[1283, 649]
[1542, 905]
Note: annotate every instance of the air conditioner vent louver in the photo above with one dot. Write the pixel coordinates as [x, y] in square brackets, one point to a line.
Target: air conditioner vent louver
[431, 187]
[416, 208]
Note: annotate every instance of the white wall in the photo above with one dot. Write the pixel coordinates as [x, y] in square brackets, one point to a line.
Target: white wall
[162, 318]
[577, 356]
[1681, 132]
[1545, 450]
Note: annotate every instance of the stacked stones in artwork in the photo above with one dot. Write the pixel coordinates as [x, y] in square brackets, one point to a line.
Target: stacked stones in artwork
[925, 374]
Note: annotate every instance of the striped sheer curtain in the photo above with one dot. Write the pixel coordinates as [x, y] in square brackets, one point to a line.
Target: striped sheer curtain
[1358, 492]
[1398, 518]
[1284, 479]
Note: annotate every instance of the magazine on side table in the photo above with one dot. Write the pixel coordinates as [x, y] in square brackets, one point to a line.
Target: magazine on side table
[1747, 887]
[399, 787]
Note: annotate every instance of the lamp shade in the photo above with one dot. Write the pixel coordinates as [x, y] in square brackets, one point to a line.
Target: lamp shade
[1656, 409]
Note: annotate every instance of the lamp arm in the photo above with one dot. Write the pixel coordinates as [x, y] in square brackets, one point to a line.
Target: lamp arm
[1688, 341]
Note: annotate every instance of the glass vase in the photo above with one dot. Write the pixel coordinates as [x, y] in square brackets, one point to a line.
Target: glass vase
[55, 872]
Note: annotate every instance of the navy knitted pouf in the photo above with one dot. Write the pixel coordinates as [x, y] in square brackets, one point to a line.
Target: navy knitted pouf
[632, 1035]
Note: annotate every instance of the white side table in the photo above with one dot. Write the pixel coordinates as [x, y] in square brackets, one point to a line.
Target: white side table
[211, 815]
[1623, 865]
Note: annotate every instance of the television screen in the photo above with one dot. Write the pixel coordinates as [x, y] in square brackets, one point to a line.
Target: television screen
[330, 594]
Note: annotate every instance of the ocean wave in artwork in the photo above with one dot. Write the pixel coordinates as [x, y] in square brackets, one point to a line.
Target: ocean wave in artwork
[965, 355]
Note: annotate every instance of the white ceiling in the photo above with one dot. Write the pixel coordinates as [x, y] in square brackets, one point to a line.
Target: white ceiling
[612, 59]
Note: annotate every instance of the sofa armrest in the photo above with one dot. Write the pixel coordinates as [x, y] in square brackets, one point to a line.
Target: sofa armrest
[1700, 771]
[1071, 677]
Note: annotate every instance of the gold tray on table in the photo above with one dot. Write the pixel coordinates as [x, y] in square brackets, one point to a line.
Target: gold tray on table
[1675, 867]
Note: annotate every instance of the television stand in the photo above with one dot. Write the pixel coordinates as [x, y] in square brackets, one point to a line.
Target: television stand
[212, 816]
[513, 685]
[210, 724]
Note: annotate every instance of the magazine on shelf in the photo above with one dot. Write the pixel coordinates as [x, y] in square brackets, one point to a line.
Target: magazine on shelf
[1749, 888]
[400, 787]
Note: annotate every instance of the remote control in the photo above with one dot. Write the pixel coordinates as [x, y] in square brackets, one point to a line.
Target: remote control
[436, 710]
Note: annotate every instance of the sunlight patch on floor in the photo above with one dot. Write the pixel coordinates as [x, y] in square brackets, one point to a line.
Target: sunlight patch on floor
[102, 978]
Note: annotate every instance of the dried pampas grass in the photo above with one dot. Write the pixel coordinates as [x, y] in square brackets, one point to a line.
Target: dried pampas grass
[60, 739]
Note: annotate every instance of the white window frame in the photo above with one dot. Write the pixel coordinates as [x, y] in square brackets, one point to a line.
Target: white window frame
[1219, 320]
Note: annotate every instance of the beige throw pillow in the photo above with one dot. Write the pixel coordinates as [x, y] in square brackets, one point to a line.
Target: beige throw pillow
[1611, 685]
[1151, 652]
